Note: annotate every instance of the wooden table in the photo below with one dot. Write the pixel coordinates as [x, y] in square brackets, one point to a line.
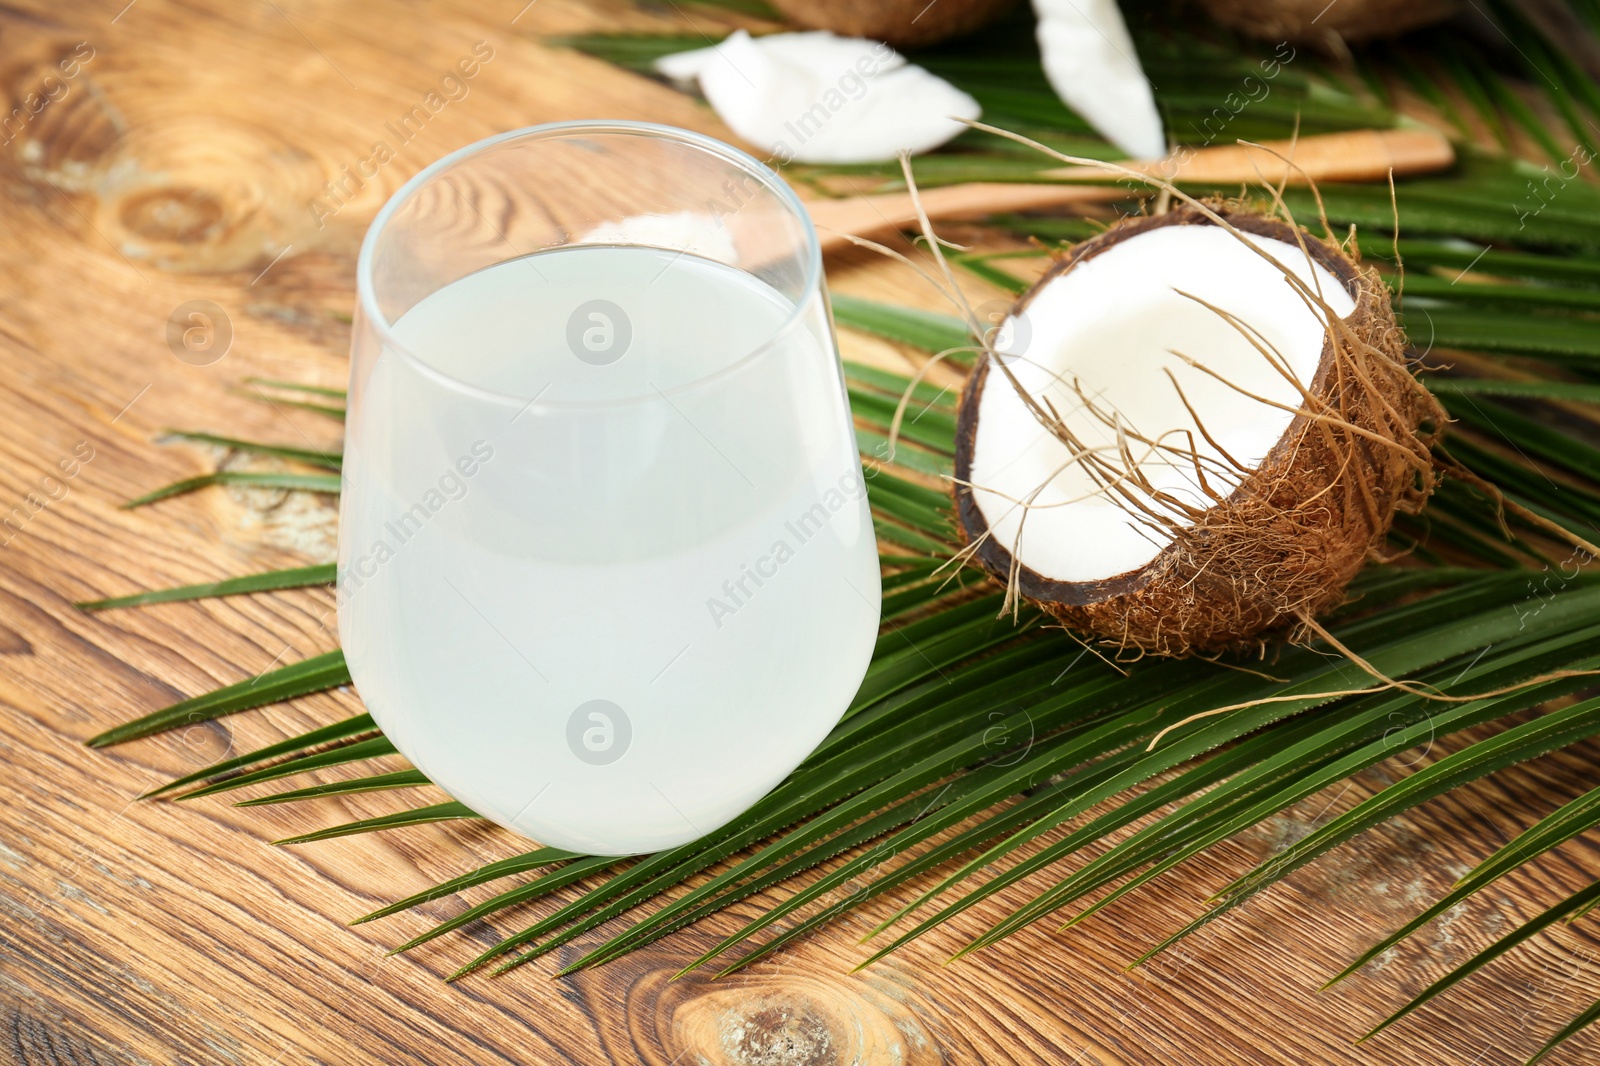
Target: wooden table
[179, 161]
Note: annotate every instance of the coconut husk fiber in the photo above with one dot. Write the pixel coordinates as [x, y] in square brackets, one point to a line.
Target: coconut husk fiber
[1281, 547]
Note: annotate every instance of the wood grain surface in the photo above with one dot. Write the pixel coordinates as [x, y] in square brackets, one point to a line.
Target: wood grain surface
[172, 151]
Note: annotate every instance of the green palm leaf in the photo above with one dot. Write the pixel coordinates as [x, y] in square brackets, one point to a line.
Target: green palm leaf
[1546, 734]
[372, 748]
[375, 783]
[298, 391]
[1585, 1019]
[528, 860]
[1571, 905]
[349, 729]
[1556, 828]
[298, 386]
[309, 456]
[438, 812]
[249, 479]
[928, 330]
[324, 671]
[268, 581]
[1575, 392]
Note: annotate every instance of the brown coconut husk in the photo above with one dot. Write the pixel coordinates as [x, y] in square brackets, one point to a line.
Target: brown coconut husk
[902, 23]
[1318, 22]
[1261, 563]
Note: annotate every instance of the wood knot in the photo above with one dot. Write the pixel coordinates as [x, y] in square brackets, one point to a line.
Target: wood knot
[777, 1031]
[803, 1015]
[189, 193]
[203, 193]
[179, 215]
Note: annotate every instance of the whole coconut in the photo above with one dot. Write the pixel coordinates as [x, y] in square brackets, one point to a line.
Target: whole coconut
[1318, 21]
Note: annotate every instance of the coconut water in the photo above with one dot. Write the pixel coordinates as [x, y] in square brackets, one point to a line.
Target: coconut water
[607, 572]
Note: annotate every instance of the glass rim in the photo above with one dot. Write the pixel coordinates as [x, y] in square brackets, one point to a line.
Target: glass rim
[366, 289]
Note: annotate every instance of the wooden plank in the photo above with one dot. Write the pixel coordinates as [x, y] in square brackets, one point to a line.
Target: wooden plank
[180, 164]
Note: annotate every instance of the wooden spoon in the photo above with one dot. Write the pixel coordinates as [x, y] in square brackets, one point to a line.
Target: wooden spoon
[1357, 155]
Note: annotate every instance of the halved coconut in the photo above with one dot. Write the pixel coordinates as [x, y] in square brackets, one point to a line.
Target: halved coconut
[1181, 444]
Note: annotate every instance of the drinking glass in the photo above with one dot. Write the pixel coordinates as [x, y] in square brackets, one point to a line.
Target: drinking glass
[606, 568]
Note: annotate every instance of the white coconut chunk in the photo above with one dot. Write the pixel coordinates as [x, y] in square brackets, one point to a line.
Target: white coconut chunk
[819, 98]
[689, 231]
[1110, 327]
[684, 67]
[1092, 65]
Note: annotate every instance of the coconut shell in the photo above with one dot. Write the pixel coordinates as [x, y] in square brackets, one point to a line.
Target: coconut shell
[1285, 544]
[902, 23]
[1319, 22]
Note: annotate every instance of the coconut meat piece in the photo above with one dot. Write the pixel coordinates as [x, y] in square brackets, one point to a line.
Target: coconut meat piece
[819, 98]
[1089, 59]
[1109, 327]
[695, 232]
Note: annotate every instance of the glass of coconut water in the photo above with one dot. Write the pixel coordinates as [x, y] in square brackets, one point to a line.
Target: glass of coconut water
[606, 569]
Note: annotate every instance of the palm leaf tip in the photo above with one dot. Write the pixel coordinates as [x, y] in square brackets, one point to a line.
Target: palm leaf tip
[316, 674]
[327, 460]
[340, 754]
[371, 783]
[1522, 933]
[512, 964]
[460, 972]
[267, 581]
[325, 483]
[338, 733]
[298, 386]
[438, 812]
[1571, 1029]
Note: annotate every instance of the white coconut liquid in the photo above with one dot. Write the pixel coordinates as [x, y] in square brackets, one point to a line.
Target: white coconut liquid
[614, 617]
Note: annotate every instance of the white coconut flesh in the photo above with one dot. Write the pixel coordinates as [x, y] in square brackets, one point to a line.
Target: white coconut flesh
[1091, 63]
[820, 98]
[696, 232]
[1110, 327]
